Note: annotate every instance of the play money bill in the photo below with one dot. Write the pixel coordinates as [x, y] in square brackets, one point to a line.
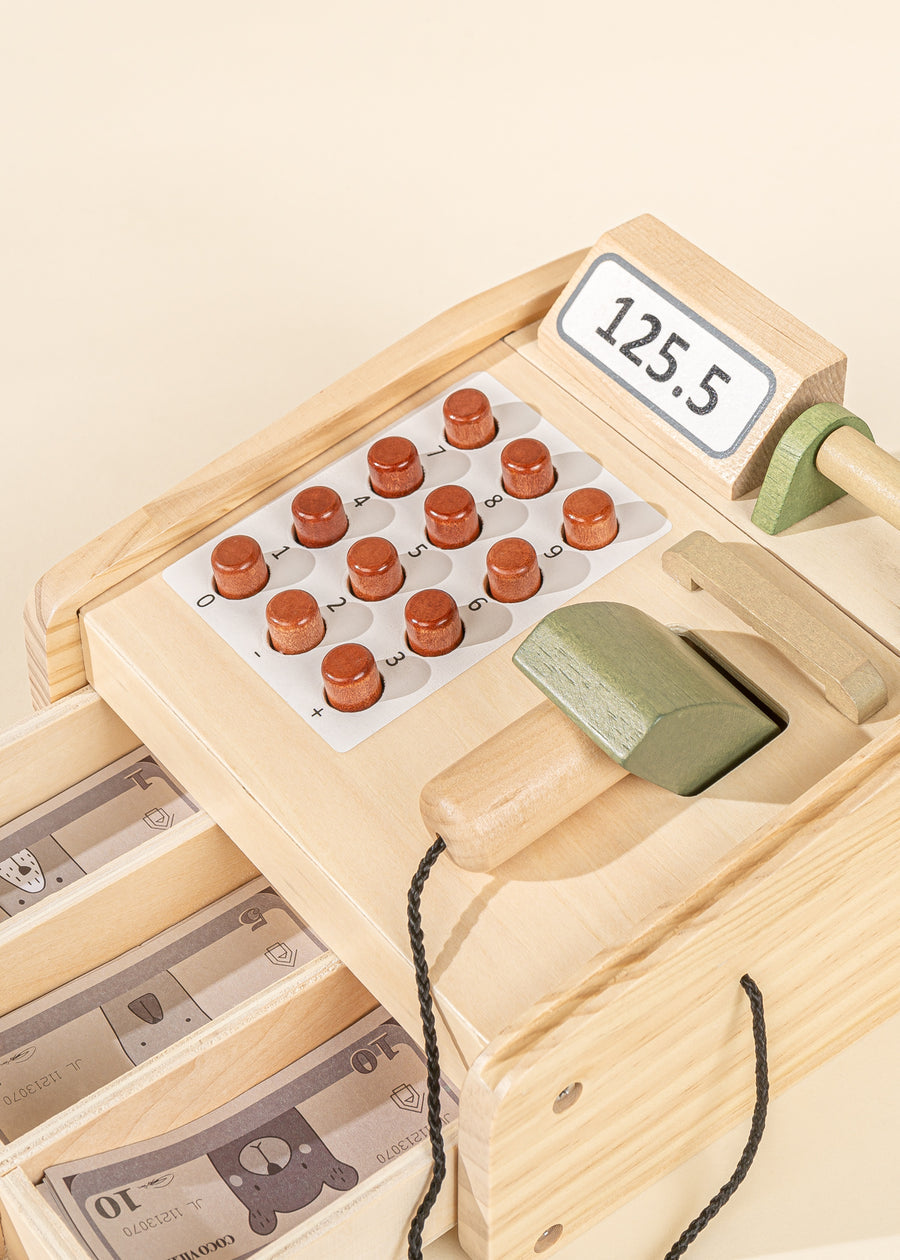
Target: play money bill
[85, 827]
[61, 1047]
[252, 1170]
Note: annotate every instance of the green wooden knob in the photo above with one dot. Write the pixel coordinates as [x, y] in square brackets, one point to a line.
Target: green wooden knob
[793, 487]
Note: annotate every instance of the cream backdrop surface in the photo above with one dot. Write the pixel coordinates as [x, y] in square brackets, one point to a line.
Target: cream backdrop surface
[210, 210]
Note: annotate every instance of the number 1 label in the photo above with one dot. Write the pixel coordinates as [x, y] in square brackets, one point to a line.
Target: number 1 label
[689, 373]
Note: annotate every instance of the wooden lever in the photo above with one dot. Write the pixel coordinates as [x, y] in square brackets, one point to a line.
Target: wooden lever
[852, 683]
[628, 695]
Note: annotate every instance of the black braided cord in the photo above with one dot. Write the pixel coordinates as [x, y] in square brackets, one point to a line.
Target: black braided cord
[439, 1161]
[757, 1124]
[426, 1008]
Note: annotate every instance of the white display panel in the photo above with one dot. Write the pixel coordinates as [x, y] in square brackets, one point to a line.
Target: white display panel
[689, 373]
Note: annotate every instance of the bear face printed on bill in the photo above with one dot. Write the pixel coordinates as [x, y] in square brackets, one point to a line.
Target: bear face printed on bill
[281, 1167]
[33, 873]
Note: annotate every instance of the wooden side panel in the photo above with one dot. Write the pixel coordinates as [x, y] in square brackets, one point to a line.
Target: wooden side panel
[659, 1037]
[56, 665]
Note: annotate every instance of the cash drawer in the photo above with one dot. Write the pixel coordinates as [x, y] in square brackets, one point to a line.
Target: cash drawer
[119, 905]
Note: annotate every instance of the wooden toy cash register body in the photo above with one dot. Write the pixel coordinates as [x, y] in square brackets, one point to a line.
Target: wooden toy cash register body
[587, 989]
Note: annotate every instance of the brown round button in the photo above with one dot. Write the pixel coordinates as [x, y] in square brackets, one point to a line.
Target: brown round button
[451, 518]
[589, 519]
[468, 419]
[527, 468]
[239, 567]
[394, 467]
[295, 623]
[433, 627]
[375, 569]
[351, 678]
[512, 570]
[319, 516]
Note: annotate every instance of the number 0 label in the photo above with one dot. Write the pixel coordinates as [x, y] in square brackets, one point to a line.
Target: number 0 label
[686, 371]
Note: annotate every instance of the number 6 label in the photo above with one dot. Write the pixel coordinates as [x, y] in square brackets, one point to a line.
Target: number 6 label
[686, 371]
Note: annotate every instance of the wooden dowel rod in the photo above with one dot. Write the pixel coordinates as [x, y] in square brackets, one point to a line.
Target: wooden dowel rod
[864, 470]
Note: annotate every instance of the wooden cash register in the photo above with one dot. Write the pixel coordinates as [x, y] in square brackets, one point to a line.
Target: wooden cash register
[586, 987]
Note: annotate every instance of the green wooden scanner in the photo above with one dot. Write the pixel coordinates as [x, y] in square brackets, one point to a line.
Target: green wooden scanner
[644, 695]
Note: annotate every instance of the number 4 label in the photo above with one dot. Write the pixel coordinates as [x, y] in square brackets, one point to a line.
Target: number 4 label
[689, 373]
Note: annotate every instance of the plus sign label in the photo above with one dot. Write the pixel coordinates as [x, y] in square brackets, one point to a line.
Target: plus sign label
[685, 370]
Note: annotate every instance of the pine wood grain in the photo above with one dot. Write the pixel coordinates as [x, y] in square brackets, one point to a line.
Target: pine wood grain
[658, 1034]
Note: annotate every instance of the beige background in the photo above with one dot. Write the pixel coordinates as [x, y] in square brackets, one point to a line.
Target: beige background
[210, 210]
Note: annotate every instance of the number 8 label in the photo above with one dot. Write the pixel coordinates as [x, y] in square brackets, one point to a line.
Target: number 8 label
[689, 373]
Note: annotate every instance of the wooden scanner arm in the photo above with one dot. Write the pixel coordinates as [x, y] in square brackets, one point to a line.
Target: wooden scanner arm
[617, 681]
[514, 787]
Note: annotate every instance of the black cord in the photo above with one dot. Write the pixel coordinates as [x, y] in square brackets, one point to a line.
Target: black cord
[757, 1124]
[426, 1008]
[439, 1161]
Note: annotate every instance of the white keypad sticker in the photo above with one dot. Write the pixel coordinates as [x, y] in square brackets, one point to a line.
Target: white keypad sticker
[380, 626]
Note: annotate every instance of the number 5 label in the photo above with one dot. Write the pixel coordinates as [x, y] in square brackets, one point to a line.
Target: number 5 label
[686, 371]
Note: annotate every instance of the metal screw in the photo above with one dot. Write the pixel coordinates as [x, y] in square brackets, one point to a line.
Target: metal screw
[567, 1097]
[548, 1238]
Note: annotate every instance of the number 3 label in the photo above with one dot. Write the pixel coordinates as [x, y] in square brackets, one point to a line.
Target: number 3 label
[686, 371]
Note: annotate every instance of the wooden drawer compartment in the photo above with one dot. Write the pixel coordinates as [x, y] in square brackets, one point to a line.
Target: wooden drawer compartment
[204, 1071]
[121, 905]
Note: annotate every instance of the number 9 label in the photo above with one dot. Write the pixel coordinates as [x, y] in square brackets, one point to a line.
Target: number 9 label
[687, 372]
